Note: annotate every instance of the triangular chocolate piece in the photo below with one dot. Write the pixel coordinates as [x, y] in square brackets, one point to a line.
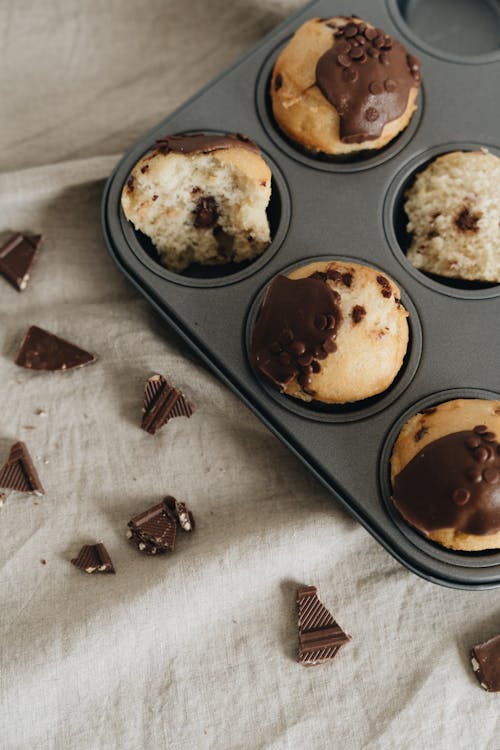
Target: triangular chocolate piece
[19, 473]
[42, 350]
[94, 558]
[485, 659]
[154, 530]
[184, 517]
[320, 636]
[16, 258]
[163, 401]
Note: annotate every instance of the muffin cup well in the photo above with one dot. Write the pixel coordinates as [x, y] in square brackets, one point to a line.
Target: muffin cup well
[327, 163]
[395, 221]
[356, 410]
[483, 559]
[278, 211]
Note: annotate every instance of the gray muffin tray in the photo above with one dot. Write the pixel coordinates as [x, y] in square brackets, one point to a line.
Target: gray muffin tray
[338, 209]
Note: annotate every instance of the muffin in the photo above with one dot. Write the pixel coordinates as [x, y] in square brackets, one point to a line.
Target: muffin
[201, 199]
[453, 210]
[445, 473]
[331, 331]
[341, 86]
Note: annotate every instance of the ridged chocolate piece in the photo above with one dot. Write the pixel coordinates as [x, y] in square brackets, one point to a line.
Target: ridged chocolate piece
[17, 257]
[162, 402]
[485, 660]
[19, 473]
[154, 530]
[42, 350]
[94, 558]
[183, 515]
[320, 636]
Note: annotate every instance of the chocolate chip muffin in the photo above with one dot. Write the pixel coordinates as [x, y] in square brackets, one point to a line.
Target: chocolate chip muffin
[445, 472]
[333, 331]
[341, 86]
[453, 210]
[201, 199]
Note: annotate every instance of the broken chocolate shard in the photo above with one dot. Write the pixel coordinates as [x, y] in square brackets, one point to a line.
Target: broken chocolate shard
[181, 512]
[94, 558]
[42, 350]
[18, 473]
[485, 660]
[320, 636]
[154, 530]
[162, 402]
[17, 257]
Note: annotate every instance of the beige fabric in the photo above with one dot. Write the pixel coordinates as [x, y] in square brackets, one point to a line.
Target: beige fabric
[195, 650]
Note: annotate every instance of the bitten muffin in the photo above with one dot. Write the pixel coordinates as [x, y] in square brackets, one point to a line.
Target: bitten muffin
[201, 199]
[332, 331]
[341, 86]
[445, 472]
[453, 210]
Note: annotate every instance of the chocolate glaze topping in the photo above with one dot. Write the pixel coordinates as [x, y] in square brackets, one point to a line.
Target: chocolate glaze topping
[295, 330]
[454, 482]
[201, 143]
[367, 76]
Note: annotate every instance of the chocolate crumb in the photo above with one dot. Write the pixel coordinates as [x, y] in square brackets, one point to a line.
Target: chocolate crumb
[44, 562]
[278, 82]
[130, 183]
[467, 221]
[145, 168]
[420, 433]
[155, 197]
[358, 312]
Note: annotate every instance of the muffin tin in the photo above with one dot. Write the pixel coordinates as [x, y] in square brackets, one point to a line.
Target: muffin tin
[339, 209]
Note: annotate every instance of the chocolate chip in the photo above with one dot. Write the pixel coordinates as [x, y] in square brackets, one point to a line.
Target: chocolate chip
[375, 87]
[481, 454]
[347, 279]
[307, 369]
[413, 63]
[386, 293]
[342, 47]
[390, 84]
[154, 198]
[145, 168]
[378, 42]
[276, 347]
[330, 322]
[305, 360]
[472, 442]
[304, 380]
[358, 312]
[370, 33]
[420, 434]
[278, 82]
[383, 281]
[384, 58]
[350, 75]
[297, 348]
[350, 30]
[491, 475]
[205, 213]
[361, 28]
[360, 39]
[467, 221]
[490, 437]
[356, 53]
[371, 114]
[461, 496]
[130, 183]
[344, 61]
[316, 367]
[479, 429]
[320, 321]
[387, 43]
[320, 353]
[474, 476]
[373, 52]
[329, 346]
[334, 275]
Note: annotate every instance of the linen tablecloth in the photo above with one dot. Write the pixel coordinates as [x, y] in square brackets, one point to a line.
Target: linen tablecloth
[196, 649]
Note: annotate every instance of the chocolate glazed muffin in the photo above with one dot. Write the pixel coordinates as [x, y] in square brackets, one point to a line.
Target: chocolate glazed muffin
[341, 86]
[445, 471]
[331, 331]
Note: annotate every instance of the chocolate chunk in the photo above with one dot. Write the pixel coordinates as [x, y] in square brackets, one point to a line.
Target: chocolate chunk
[320, 636]
[145, 168]
[181, 512]
[205, 213]
[154, 530]
[347, 279]
[94, 558]
[485, 660]
[329, 346]
[467, 221]
[162, 402]
[201, 143]
[420, 434]
[480, 429]
[448, 469]
[358, 312]
[42, 350]
[17, 257]
[344, 61]
[18, 473]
